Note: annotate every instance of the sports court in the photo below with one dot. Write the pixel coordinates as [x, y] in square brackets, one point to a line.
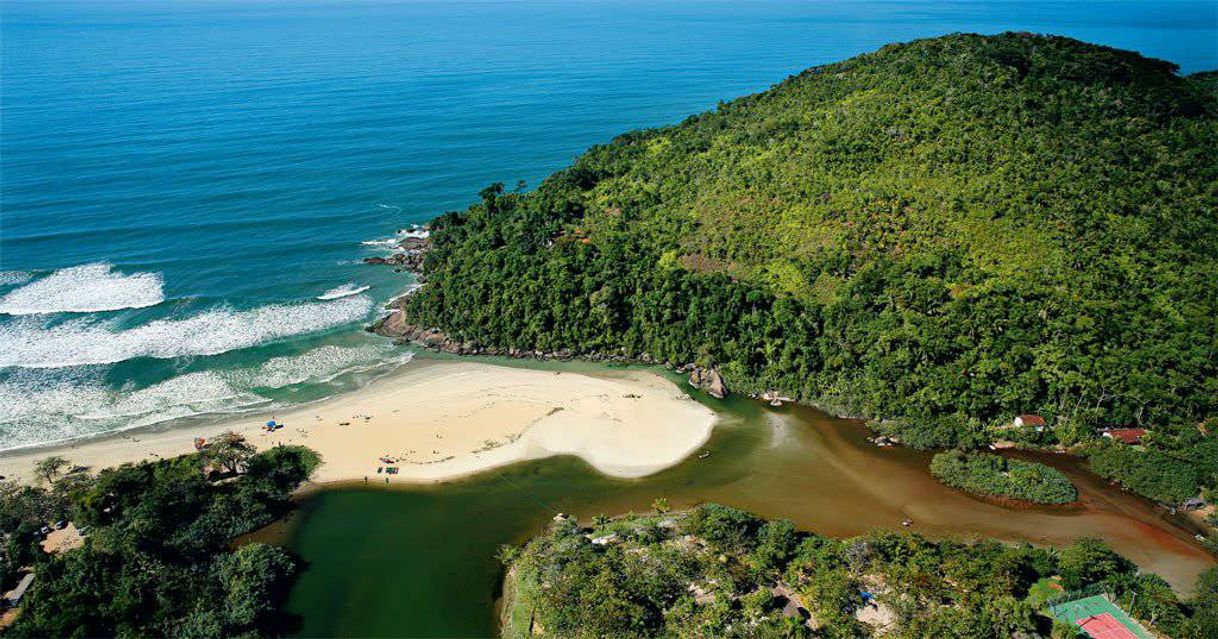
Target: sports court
[1100, 618]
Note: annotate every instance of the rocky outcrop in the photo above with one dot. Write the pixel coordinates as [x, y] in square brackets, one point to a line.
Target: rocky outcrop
[412, 262]
[775, 398]
[394, 324]
[709, 380]
[413, 251]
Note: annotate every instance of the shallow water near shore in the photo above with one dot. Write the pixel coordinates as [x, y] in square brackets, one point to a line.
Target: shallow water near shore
[420, 561]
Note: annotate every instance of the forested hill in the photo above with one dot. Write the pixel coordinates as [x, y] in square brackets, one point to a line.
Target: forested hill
[946, 233]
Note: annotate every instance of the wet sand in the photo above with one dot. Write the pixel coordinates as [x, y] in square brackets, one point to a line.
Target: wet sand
[446, 420]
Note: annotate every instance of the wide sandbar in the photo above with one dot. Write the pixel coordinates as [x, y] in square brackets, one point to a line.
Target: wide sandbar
[448, 419]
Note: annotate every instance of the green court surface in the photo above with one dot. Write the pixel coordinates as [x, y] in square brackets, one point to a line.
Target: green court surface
[1099, 618]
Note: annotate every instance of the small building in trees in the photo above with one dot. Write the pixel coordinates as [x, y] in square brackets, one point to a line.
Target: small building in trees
[1130, 436]
[1027, 420]
[1030, 420]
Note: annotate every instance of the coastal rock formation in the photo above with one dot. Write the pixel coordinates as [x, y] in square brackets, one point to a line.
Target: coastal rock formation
[391, 325]
[775, 398]
[413, 251]
[394, 325]
[412, 262]
[709, 380]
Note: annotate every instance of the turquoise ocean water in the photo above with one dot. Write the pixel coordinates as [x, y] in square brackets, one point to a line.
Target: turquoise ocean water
[186, 188]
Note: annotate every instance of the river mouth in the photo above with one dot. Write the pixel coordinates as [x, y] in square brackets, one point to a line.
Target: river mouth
[420, 560]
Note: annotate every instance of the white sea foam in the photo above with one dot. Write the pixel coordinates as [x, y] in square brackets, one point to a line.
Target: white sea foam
[29, 394]
[389, 241]
[197, 392]
[85, 289]
[345, 290]
[11, 278]
[415, 231]
[39, 406]
[38, 412]
[318, 365]
[31, 344]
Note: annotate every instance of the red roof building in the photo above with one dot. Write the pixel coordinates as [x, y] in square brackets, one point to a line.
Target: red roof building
[1126, 435]
[1029, 420]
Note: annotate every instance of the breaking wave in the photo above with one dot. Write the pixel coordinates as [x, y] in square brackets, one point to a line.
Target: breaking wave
[84, 289]
[345, 290]
[319, 365]
[40, 406]
[11, 278]
[35, 410]
[28, 343]
[386, 243]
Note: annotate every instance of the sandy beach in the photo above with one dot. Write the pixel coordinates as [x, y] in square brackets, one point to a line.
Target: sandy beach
[443, 420]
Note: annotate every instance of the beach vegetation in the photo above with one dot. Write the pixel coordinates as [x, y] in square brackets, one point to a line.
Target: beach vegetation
[48, 468]
[158, 556]
[229, 453]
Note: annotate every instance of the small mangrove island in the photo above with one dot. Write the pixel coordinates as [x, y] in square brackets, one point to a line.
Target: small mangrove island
[997, 476]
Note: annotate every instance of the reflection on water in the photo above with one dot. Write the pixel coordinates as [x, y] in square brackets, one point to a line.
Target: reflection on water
[420, 561]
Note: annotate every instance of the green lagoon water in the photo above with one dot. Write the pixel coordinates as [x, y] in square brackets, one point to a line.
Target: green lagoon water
[420, 561]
